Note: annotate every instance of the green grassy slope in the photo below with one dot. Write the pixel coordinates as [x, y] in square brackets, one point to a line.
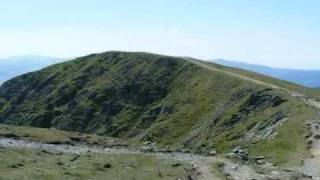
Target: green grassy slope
[55, 136]
[163, 99]
[37, 164]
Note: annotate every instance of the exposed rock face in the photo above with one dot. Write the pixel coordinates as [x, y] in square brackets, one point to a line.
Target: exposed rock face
[257, 101]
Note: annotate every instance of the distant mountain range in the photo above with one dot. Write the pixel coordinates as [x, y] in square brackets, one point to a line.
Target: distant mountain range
[14, 66]
[308, 78]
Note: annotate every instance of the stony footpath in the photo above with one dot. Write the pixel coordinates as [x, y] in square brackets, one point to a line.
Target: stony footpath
[312, 164]
[204, 166]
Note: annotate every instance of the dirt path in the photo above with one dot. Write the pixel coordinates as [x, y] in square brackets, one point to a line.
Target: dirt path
[311, 165]
[204, 165]
[199, 63]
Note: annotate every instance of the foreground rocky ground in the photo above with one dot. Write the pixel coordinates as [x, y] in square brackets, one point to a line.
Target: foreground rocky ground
[17, 163]
[27, 158]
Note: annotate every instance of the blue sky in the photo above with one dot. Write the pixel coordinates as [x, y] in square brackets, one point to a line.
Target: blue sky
[282, 33]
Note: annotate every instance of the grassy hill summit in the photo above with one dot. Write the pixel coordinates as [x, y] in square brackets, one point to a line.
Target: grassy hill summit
[170, 101]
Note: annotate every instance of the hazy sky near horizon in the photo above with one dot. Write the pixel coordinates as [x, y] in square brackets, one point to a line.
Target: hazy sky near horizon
[277, 33]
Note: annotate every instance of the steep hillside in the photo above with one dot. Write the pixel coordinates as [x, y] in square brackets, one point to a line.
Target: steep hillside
[167, 100]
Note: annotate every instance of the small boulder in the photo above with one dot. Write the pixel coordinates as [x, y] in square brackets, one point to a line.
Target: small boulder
[60, 163]
[240, 153]
[75, 158]
[234, 167]
[260, 162]
[257, 158]
[309, 135]
[17, 165]
[176, 165]
[317, 137]
[147, 149]
[107, 166]
[213, 153]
